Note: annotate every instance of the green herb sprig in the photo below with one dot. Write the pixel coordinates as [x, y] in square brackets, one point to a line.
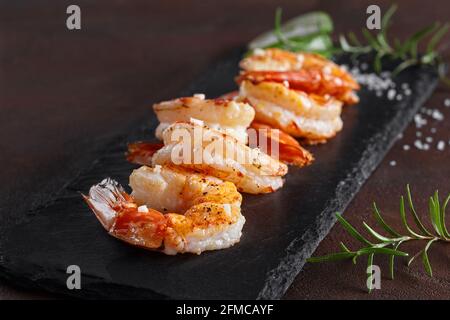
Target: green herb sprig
[406, 51]
[389, 245]
[312, 32]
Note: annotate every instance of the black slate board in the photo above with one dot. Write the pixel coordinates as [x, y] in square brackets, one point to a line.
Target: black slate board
[282, 229]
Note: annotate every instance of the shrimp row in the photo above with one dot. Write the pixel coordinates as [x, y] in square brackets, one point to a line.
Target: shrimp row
[186, 197]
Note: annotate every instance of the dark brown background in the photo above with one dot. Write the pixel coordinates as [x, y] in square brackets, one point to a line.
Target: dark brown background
[61, 90]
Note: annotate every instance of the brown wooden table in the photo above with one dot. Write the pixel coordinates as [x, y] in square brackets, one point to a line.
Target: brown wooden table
[61, 90]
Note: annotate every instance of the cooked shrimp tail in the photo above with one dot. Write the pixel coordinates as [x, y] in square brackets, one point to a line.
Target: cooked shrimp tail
[122, 218]
[289, 150]
[141, 152]
[208, 210]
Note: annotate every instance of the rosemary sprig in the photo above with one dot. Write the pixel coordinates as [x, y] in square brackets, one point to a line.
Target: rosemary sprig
[406, 51]
[390, 244]
[314, 30]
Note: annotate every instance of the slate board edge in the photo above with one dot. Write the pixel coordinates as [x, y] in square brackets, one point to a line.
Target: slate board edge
[294, 260]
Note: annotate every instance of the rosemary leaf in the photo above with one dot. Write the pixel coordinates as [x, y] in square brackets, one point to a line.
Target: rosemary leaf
[404, 65]
[352, 230]
[369, 265]
[437, 37]
[391, 259]
[414, 257]
[371, 40]
[405, 222]
[413, 42]
[344, 247]
[354, 39]
[414, 213]
[383, 224]
[444, 227]
[377, 62]
[425, 259]
[332, 257]
[369, 250]
[387, 17]
[376, 234]
[435, 215]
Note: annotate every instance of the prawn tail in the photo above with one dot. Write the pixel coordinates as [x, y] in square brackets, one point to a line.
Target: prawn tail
[122, 218]
[289, 149]
[105, 199]
[141, 152]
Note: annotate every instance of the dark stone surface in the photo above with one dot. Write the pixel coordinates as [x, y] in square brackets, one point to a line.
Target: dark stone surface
[282, 229]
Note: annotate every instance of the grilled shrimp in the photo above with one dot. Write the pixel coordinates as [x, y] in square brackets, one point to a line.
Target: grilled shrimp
[307, 72]
[311, 117]
[221, 114]
[211, 152]
[289, 150]
[170, 210]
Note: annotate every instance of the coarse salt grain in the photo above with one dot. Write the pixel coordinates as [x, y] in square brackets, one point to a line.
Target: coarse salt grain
[391, 94]
[393, 163]
[429, 139]
[441, 145]
[418, 134]
[196, 122]
[418, 144]
[421, 146]
[143, 209]
[420, 121]
[200, 96]
[406, 147]
[437, 115]
[447, 102]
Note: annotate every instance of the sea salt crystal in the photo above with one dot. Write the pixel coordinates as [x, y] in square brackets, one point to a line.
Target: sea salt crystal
[391, 94]
[399, 97]
[429, 139]
[143, 209]
[364, 66]
[447, 102]
[405, 85]
[418, 134]
[400, 136]
[441, 145]
[433, 130]
[406, 147]
[196, 122]
[421, 146]
[407, 92]
[437, 115]
[393, 163]
[420, 121]
[418, 144]
[200, 96]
